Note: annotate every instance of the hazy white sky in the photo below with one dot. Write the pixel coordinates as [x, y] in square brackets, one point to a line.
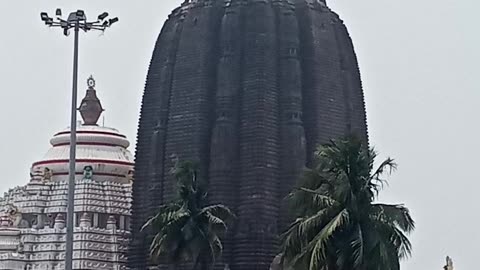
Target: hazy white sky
[419, 63]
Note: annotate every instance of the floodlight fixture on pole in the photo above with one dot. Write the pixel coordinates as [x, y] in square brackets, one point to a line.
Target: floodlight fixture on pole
[102, 16]
[77, 20]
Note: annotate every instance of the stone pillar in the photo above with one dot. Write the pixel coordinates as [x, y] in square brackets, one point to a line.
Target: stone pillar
[59, 222]
[85, 221]
[122, 223]
[75, 217]
[111, 223]
[41, 220]
[95, 220]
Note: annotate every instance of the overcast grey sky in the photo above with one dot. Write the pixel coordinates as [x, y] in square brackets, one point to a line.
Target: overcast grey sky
[419, 64]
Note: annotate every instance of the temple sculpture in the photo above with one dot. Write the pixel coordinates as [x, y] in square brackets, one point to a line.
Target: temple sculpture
[247, 88]
[32, 216]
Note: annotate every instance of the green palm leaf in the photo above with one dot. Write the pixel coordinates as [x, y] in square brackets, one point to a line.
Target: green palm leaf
[320, 242]
[185, 229]
[219, 210]
[338, 225]
[358, 246]
[396, 214]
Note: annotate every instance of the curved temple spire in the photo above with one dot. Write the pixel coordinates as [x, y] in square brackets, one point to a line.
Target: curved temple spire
[248, 88]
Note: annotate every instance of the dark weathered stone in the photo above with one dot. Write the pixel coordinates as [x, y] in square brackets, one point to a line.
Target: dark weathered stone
[248, 88]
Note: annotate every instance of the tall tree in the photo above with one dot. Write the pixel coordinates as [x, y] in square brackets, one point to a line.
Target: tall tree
[339, 225]
[186, 229]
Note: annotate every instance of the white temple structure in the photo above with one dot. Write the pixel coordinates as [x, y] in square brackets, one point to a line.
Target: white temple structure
[32, 217]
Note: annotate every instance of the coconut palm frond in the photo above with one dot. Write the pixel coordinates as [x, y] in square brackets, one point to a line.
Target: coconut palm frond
[396, 214]
[338, 225]
[377, 182]
[185, 229]
[319, 243]
[358, 246]
[219, 210]
[163, 215]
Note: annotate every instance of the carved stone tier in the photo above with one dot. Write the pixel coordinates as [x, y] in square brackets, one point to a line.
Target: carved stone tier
[32, 225]
[94, 248]
[9, 240]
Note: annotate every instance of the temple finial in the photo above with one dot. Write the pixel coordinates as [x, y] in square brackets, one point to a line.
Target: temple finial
[91, 82]
[90, 107]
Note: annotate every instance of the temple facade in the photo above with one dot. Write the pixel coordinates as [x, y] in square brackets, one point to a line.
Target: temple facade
[32, 216]
[249, 89]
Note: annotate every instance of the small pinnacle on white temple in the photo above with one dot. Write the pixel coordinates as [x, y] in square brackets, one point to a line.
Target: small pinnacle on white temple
[90, 107]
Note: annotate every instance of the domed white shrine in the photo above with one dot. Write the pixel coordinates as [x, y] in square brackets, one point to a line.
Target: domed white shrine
[100, 149]
[32, 217]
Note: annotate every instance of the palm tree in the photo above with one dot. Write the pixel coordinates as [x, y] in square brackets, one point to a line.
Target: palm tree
[185, 229]
[339, 225]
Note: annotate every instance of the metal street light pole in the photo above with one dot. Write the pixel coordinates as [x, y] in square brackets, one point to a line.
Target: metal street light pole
[76, 20]
[72, 159]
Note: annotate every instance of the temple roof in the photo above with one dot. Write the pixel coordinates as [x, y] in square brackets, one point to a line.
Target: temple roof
[104, 149]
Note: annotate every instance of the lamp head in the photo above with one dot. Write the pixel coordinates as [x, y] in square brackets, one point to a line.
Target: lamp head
[58, 12]
[102, 16]
[77, 16]
[80, 15]
[112, 21]
[44, 16]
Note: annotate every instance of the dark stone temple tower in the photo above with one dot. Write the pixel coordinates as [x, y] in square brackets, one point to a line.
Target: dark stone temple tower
[248, 88]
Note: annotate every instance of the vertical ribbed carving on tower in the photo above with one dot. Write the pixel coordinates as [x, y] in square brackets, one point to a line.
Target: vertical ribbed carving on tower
[248, 88]
[193, 88]
[224, 153]
[293, 151]
[256, 238]
[148, 194]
